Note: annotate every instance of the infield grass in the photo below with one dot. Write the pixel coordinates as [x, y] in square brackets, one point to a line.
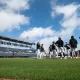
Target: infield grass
[40, 69]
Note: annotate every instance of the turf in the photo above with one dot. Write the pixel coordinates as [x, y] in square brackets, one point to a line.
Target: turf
[40, 69]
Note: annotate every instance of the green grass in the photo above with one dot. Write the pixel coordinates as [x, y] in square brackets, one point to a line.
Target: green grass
[40, 69]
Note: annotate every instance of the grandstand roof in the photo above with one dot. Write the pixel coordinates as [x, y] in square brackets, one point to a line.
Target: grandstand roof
[15, 40]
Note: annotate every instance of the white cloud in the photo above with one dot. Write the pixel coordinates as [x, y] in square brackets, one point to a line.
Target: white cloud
[71, 15]
[67, 10]
[71, 22]
[37, 33]
[8, 21]
[15, 4]
[10, 17]
[53, 6]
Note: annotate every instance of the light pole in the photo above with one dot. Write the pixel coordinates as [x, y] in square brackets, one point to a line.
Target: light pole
[27, 38]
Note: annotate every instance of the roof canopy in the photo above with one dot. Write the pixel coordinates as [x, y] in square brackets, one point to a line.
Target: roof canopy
[15, 40]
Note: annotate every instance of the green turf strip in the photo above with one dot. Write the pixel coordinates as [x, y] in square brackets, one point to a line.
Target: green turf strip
[40, 69]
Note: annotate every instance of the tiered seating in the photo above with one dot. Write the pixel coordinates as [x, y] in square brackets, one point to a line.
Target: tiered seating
[4, 51]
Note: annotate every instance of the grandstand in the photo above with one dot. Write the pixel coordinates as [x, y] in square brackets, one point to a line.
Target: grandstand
[10, 47]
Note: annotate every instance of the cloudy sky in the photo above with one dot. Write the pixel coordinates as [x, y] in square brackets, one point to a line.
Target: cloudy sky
[40, 20]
